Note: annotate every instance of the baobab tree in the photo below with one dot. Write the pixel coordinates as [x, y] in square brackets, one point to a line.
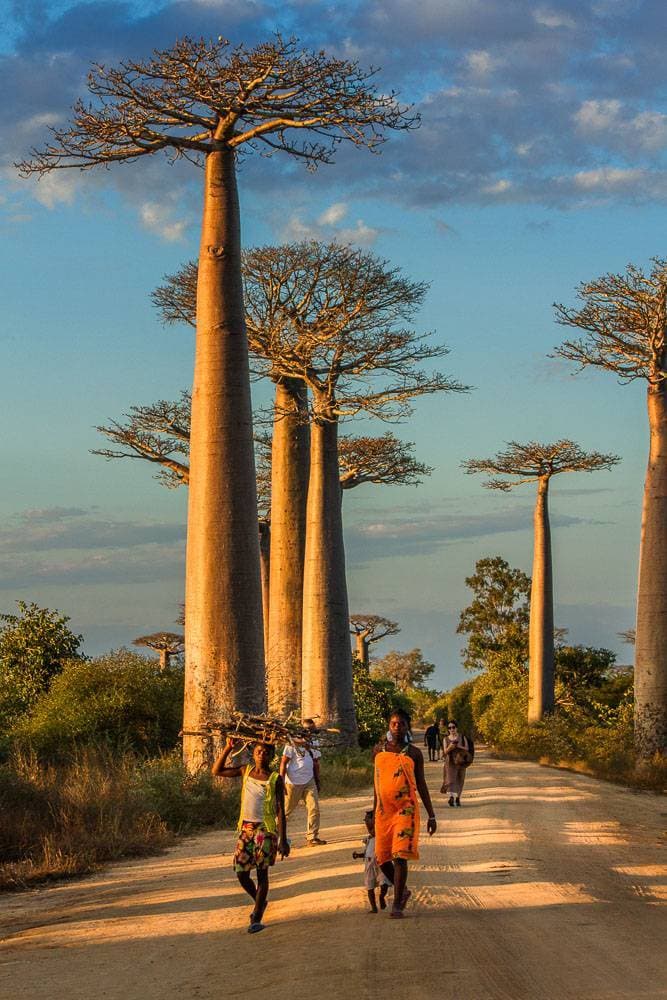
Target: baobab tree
[331, 317]
[623, 318]
[539, 463]
[368, 629]
[208, 102]
[167, 644]
[284, 547]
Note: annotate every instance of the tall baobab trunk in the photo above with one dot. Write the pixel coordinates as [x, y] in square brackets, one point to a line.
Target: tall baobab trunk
[362, 649]
[327, 658]
[541, 635]
[651, 640]
[265, 573]
[224, 662]
[289, 489]
[165, 656]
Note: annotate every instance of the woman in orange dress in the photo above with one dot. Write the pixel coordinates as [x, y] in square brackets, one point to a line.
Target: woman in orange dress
[399, 776]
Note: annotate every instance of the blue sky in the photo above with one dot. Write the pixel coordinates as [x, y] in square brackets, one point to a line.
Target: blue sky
[540, 163]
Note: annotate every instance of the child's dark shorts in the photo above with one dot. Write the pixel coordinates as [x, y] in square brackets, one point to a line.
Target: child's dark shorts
[255, 848]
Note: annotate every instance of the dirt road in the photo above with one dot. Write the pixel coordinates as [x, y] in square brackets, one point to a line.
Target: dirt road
[543, 885]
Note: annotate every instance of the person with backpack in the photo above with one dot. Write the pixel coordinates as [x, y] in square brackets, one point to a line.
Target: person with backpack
[300, 770]
[459, 751]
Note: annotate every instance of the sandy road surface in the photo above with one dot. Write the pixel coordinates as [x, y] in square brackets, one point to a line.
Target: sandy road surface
[544, 885]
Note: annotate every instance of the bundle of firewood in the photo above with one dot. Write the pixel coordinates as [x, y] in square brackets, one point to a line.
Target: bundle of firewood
[247, 729]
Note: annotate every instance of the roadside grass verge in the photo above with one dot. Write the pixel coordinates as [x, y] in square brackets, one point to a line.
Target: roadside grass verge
[65, 819]
[346, 771]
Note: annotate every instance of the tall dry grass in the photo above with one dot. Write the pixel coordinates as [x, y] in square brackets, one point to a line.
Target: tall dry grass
[67, 818]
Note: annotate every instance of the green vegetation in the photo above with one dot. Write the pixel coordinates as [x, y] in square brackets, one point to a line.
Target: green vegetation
[34, 645]
[591, 729]
[123, 700]
[66, 818]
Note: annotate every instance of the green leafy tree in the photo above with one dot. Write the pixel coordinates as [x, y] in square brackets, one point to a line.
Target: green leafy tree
[122, 699]
[34, 646]
[372, 705]
[496, 621]
[405, 670]
[583, 667]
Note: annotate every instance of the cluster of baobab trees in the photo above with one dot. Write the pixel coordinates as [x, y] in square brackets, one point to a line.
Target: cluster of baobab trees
[330, 326]
[326, 325]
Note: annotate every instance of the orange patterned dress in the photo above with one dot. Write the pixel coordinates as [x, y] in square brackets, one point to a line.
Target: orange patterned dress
[397, 810]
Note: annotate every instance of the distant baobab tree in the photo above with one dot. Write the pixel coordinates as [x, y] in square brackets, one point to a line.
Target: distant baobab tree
[208, 102]
[623, 318]
[368, 629]
[539, 463]
[629, 636]
[167, 644]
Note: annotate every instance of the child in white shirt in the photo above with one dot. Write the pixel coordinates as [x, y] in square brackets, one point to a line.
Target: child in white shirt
[372, 875]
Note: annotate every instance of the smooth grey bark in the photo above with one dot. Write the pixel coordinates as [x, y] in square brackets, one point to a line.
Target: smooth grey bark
[541, 632]
[327, 657]
[651, 636]
[224, 658]
[290, 464]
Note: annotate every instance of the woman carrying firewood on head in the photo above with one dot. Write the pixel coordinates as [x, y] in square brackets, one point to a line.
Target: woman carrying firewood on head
[262, 827]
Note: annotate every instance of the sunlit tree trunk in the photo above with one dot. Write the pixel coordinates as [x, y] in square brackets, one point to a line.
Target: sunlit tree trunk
[224, 661]
[290, 462]
[362, 649]
[327, 658]
[164, 659]
[651, 640]
[265, 571]
[541, 635]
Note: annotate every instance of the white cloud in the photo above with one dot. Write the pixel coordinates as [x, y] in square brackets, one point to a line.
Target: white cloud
[608, 178]
[56, 188]
[553, 19]
[598, 116]
[324, 228]
[333, 214]
[481, 62]
[158, 218]
[498, 187]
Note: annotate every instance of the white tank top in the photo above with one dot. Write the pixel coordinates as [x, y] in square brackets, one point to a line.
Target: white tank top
[253, 800]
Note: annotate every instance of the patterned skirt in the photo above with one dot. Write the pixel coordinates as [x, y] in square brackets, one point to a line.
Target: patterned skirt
[255, 848]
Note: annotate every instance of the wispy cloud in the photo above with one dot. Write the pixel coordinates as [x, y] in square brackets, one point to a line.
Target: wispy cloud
[424, 530]
[71, 545]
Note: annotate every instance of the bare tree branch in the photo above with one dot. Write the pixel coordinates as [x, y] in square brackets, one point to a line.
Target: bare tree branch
[623, 318]
[381, 460]
[201, 95]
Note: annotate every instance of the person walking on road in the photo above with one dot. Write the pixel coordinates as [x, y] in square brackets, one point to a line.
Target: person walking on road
[459, 753]
[262, 827]
[431, 741]
[300, 770]
[398, 777]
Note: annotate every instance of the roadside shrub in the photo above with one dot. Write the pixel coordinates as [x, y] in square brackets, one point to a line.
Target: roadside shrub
[122, 699]
[34, 645]
[63, 819]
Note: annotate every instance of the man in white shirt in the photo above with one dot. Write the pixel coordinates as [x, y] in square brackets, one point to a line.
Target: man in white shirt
[300, 770]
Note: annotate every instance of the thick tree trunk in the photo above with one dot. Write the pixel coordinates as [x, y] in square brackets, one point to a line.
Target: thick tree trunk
[164, 659]
[541, 635]
[289, 489]
[651, 641]
[224, 661]
[362, 649]
[327, 658]
[265, 571]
